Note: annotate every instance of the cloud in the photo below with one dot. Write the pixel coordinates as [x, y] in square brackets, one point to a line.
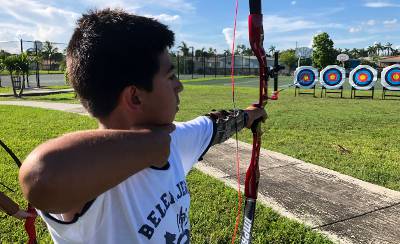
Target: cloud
[33, 20]
[353, 41]
[279, 24]
[355, 29]
[165, 17]
[371, 22]
[381, 4]
[390, 22]
[293, 2]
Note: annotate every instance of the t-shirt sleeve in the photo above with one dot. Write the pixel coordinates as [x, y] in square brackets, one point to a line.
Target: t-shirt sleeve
[192, 139]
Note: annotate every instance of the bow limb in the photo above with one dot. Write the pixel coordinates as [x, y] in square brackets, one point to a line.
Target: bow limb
[30, 221]
[256, 38]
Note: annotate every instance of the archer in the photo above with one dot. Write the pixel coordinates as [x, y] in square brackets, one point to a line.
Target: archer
[124, 182]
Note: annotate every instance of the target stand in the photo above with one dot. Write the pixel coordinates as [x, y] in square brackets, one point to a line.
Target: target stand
[329, 91]
[390, 80]
[354, 93]
[304, 91]
[385, 90]
[363, 78]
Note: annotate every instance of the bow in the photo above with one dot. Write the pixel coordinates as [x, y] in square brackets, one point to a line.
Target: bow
[30, 221]
[256, 37]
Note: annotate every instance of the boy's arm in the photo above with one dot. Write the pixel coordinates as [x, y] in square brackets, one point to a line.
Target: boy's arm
[63, 174]
[8, 205]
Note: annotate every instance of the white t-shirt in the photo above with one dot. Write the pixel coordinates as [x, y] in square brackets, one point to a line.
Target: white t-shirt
[151, 206]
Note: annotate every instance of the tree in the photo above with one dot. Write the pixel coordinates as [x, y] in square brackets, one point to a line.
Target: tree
[371, 51]
[227, 52]
[378, 48]
[49, 52]
[184, 49]
[388, 47]
[288, 57]
[323, 52]
[272, 49]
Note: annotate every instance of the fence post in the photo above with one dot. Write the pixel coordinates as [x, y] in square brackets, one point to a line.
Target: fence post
[225, 66]
[204, 65]
[177, 58]
[37, 65]
[192, 61]
[249, 66]
[215, 66]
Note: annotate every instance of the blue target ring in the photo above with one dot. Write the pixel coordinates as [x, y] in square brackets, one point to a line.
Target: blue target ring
[393, 77]
[332, 77]
[306, 77]
[363, 77]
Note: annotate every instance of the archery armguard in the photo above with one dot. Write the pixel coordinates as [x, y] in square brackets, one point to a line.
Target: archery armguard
[227, 123]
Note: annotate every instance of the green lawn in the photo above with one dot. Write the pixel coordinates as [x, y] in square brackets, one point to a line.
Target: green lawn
[213, 204]
[356, 137]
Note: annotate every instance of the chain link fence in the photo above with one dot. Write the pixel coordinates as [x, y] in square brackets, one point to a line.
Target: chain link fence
[192, 67]
[48, 67]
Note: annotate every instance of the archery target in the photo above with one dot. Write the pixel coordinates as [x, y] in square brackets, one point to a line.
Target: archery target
[390, 77]
[332, 77]
[305, 77]
[363, 77]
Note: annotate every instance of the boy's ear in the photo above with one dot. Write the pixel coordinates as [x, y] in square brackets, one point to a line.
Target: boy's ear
[130, 97]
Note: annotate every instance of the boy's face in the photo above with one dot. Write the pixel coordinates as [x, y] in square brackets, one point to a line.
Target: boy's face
[161, 104]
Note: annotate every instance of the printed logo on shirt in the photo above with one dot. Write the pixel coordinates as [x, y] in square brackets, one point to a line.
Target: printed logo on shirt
[158, 213]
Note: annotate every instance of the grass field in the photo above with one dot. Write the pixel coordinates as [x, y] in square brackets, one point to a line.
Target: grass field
[357, 137]
[213, 204]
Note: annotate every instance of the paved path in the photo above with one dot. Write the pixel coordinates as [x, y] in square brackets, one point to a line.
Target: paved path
[348, 210]
[39, 92]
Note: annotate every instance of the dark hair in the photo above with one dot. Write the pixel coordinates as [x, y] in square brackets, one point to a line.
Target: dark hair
[110, 50]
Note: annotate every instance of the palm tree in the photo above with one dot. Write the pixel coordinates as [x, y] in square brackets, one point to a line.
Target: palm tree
[371, 50]
[388, 47]
[227, 52]
[48, 52]
[379, 47]
[184, 49]
[272, 49]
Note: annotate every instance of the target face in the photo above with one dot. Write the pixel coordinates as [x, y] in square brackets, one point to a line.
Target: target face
[305, 77]
[332, 77]
[391, 77]
[363, 77]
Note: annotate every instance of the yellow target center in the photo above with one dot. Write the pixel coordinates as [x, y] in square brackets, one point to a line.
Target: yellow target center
[396, 76]
[332, 77]
[363, 77]
[306, 78]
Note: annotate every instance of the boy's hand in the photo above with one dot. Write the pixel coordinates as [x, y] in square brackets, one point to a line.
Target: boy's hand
[255, 113]
[21, 214]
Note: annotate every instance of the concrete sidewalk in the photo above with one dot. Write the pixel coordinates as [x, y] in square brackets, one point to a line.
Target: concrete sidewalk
[348, 210]
[39, 92]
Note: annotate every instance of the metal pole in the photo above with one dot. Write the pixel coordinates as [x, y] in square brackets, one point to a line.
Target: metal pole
[215, 66]
[22, 47]
[204, 65]
[249, 65]
[225, 66]
[177, 58]
[192, 61]
[242, 63]
[37, 66]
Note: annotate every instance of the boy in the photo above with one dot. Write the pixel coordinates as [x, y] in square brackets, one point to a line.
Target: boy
[125, 182]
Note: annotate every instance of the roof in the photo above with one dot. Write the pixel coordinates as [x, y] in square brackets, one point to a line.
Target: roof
[395, 59]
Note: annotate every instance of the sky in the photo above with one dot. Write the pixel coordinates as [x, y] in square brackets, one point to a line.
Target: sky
[209, 23]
